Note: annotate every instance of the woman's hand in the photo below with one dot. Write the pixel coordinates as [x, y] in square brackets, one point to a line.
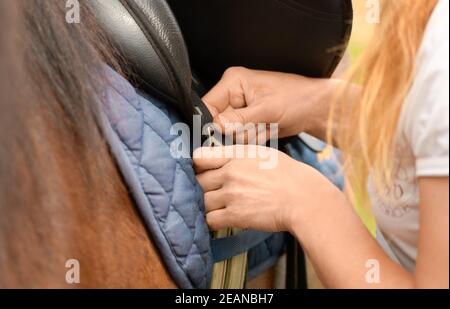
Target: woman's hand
[242, 193]
[297, 104]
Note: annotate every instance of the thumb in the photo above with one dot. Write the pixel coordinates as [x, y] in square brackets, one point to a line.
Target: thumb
[227, 92]
[218, 98]
[250, 114]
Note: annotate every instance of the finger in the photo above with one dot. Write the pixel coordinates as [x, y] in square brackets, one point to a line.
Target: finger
[227, 92]
[211, 180]
[209, 158]
[217, 98]
[257, 134]
[214, 200]
[252, 114]
[217, 220]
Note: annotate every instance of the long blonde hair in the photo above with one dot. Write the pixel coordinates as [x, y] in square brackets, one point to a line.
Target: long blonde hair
[368, 126]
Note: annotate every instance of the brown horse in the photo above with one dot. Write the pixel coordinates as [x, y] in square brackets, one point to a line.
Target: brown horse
[61, 194]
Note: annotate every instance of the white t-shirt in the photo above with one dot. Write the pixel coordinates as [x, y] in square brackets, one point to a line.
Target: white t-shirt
[422, 144]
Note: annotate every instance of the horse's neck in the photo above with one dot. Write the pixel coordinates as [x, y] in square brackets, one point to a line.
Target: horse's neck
[95, 224]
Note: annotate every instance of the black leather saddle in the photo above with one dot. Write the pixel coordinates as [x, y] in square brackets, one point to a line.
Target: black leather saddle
[180, 48]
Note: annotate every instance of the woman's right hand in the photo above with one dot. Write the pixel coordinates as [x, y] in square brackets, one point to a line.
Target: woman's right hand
[296, 103]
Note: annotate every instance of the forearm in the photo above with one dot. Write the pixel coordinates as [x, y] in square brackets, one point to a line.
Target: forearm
[340, 248]
[318, 108]
[322, 100]
[326, 94]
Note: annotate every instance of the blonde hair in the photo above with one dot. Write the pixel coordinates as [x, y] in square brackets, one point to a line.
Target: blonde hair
[368, 126]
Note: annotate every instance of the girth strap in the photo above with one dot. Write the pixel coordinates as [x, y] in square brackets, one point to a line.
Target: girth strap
[228, 247]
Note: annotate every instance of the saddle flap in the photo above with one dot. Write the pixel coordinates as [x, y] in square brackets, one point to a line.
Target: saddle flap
[148, 36]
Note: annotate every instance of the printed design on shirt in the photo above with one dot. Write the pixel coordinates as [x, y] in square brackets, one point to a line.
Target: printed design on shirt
[402, 196]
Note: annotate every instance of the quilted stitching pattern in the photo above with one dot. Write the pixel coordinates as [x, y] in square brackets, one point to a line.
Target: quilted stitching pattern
[175, 198]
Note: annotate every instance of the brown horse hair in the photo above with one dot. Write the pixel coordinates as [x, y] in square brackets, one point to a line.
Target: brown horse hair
[55, 69]
[61, 195]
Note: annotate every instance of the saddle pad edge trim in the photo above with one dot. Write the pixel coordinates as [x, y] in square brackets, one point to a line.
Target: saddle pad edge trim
[124, 165]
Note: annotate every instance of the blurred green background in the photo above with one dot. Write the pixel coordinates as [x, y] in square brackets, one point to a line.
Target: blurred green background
[362, 30]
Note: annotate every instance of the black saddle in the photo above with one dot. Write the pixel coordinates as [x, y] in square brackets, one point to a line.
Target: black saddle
[166, 42]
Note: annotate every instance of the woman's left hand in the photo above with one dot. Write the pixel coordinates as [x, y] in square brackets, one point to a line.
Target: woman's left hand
[241, 191]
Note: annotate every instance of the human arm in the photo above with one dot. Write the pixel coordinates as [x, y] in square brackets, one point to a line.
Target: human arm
[296, 198]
